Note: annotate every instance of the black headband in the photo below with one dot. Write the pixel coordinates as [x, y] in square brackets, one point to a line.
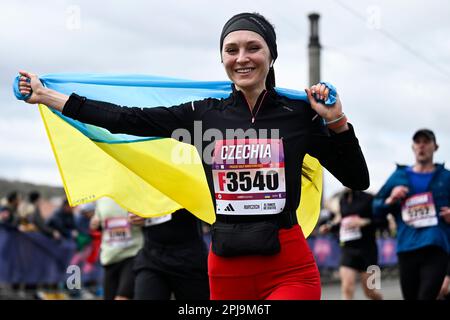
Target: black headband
[255, 23]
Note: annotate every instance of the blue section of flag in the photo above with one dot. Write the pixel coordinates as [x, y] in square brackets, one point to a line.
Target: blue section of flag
[142, 91]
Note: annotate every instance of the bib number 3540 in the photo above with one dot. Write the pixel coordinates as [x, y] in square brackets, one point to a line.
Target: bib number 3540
[246, 181]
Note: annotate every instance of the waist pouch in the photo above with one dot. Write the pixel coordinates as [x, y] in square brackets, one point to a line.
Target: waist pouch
[239, 239]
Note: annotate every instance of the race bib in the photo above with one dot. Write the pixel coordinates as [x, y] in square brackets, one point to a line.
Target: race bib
[419, 211]
[249, 176]
[347, 233]
[118, 232]
[158, 220]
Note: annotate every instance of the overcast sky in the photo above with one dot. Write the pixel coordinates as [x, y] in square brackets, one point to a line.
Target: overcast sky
[390, 61]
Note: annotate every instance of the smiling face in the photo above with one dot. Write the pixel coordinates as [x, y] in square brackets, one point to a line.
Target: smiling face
[246, 58]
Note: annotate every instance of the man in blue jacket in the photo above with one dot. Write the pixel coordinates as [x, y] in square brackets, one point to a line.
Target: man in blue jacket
[419, 198]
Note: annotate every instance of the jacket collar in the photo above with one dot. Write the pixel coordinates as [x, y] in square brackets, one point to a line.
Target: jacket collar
[238, 95]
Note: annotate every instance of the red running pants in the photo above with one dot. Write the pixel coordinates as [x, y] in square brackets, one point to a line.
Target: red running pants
[291, 274]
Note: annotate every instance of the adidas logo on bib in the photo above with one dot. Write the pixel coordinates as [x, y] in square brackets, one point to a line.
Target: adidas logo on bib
[229, 207]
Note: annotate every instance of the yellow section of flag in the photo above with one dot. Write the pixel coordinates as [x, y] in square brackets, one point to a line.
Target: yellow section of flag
[309, 209]
[143, 177]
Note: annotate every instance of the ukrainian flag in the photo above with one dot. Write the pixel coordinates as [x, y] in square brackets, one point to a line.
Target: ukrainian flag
[144, 174]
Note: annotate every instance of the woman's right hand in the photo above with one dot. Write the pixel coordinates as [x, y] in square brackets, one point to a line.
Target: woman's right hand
[30, 83]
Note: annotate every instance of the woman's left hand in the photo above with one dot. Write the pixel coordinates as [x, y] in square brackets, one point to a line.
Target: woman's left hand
[327, 112]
